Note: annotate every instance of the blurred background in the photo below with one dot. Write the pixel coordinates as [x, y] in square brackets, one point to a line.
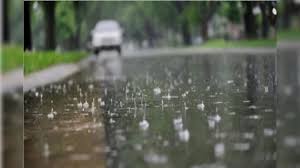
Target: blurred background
[67, 25]
[38, 34]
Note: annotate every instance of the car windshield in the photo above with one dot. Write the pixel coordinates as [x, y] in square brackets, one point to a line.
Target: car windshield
[107, 26]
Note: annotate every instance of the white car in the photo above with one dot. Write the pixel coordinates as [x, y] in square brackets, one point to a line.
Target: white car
[107, 35]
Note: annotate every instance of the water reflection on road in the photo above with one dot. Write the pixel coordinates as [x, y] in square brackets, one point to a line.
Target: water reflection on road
[288, 113]
[194, 111]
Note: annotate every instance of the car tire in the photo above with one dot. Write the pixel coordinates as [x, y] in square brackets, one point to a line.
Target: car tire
[118, 48]
[96, 52]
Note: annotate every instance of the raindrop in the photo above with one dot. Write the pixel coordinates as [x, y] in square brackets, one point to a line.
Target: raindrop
[185, 107]
[157, 91]
[229, 81]
[269, 132]
[211, 123]
[177, 122]
[105, 91]
[46, 151]
[162, 104]
[266, 89]
[219, 150]
[218, 102]
[200, 106]
[111, 121]
[248, 135]
[144, 125]
[51, 115]
[254, 117]
[79, 105]
[91, 86]
[85, 105]
[252, 107]
[268, 110]
[154, 158]
[169, 97]
[184, 135]
[217, 118]
[185, 94]
[190, 81]
[93, 108]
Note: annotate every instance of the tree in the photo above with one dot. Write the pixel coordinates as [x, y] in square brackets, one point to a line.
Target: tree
[249, 20]
[286, 16]
[207, 10]
[184, 23]
[49, 10]
[27, 25]
[5, 31]
[77, 5]
[265, 21]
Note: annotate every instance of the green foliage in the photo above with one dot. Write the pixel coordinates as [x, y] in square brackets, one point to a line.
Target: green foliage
[37, 25]
[231, 10]
[16, 21]
[221, 43]
[11, 57]
[192, 12]
[35, 61]
[290, 34]
[65, 19]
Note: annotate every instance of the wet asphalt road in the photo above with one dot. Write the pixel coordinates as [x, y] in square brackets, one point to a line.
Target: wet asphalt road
[194, 111]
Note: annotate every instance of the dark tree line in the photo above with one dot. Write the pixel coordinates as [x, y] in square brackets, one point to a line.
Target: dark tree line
[49, 19]
[5, 20]
[152, 16]
[27, 26]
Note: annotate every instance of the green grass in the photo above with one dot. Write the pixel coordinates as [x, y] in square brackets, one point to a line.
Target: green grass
[221, 43]
[290, 34]
[11, 57]
[35, 61]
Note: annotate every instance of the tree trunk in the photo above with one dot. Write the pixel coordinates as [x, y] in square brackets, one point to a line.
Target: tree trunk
[206, 13]
[49, 8]
[185, 30]
[5, 30]
[27, 26]
[265, 20]
[78, 26]
[150, 33]
[186, 34]
[204, 30]
[249, 19]
[286, 16]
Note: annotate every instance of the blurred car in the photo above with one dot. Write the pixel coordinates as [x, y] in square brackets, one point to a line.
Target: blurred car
[106, 35]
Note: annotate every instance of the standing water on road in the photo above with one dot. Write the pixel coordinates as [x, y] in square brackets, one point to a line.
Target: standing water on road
[215, 111]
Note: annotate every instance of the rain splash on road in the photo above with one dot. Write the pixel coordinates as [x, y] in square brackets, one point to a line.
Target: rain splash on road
[192, 111]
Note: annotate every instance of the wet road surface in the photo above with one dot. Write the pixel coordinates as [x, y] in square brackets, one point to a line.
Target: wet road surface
[195, 112]
[288, 113]
[12, 130]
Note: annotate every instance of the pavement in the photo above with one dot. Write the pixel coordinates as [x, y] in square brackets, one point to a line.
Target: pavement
[197, 51]
[11, 81]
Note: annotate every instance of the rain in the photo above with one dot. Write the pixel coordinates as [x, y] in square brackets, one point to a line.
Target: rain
[152, 115]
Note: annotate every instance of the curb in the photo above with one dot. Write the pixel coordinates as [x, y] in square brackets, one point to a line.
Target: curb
[11, 81]
[53, 74]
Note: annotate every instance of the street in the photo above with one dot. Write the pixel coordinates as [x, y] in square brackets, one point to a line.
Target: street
[172, 111]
